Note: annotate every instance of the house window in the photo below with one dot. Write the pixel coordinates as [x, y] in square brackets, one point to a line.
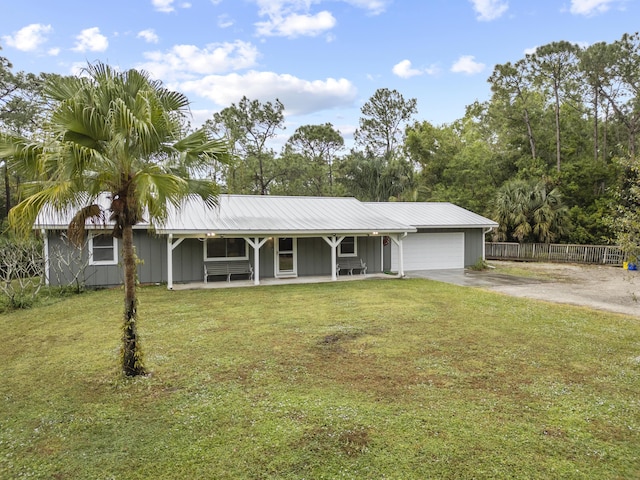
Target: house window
[103, 249]
[348, 247]
[221, 248]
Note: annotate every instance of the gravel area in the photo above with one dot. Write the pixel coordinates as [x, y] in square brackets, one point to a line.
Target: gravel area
[601, 287]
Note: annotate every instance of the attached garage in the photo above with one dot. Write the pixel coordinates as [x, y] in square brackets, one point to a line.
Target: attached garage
[446, 237]
[430, 251]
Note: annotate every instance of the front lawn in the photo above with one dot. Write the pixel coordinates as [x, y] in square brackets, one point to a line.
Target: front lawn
[396, 379]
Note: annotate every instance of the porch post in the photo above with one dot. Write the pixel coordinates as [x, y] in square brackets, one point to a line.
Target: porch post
[45, 238]
[333, 243]
[256, 243]
[170, 247]
[170, 261]
[398, 241]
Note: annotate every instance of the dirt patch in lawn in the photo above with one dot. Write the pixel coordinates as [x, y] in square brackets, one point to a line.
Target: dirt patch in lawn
[602, 287]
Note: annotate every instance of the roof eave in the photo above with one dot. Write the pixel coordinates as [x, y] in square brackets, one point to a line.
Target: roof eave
[474, 225]
[289, 233]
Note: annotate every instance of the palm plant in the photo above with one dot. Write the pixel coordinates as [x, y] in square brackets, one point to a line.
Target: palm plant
[526, 211]
[119, 134]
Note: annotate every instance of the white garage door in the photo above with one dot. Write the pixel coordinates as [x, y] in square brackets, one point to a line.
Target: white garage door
[430, 251]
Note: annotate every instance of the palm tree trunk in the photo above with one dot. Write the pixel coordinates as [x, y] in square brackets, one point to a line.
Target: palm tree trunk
[131, 353]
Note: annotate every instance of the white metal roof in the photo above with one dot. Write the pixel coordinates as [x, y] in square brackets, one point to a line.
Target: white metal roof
[269, 214]
[432, 214]
[296, 216]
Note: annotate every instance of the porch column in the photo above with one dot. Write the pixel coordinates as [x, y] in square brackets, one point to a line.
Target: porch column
[333, 243]
[256, 243]
[170, 247]
[397, 239]
[45, 238]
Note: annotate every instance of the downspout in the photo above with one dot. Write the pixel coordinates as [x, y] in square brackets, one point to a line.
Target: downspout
[484, 233]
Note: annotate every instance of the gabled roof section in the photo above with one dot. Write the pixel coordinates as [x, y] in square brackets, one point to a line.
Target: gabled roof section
[270, 214]
[431, 214]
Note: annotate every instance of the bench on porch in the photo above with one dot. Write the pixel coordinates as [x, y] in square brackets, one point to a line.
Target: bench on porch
[349, 264]
[228, 268]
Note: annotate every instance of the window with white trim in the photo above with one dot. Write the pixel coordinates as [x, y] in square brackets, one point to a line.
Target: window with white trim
[348, 247]
[225, 248]
[103, 249]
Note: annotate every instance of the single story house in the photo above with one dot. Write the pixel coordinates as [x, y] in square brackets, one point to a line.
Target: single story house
[271, 237]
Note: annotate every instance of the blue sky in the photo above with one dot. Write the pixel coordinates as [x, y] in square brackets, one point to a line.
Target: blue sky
[322, 58]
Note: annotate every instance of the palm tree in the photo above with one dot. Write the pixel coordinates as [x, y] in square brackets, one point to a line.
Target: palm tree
[119, 133]
[526, 211]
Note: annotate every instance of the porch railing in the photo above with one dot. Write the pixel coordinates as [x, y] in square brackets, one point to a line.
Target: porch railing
[550, 252]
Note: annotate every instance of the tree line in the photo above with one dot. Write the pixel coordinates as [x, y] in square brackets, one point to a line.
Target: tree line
[551, 156]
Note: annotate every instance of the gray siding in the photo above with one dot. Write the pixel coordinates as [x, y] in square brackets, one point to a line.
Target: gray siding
[370, 251]
[473, 241]
[313, 256]
[188, 260]
[68, 264]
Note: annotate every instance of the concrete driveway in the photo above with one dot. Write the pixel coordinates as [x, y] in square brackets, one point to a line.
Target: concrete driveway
[472, 278]
[595, 286]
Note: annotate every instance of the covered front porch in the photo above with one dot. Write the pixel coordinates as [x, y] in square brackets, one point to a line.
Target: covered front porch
[277, 258]
[282, 281]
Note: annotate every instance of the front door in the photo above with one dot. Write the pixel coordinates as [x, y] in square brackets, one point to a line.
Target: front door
[286, 261]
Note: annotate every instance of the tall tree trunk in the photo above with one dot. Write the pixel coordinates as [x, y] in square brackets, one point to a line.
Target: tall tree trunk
[595, 125]
[7, 189]
[557, 128]
[132, 364]
[532, 142]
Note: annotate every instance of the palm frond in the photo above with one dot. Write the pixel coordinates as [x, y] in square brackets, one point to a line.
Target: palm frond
[58, 197]
[24, 155]
[76, 228]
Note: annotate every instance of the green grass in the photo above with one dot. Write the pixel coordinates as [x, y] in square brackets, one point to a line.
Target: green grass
[395, 379]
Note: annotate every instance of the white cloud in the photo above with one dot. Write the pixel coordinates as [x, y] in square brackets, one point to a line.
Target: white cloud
[293, 18]
[299, 96]
[466, 64]
[295, 25]
[186, 61]
[77, 69]
[149, 35]
[29, 38]
[225, 21]
[90, 39]
[166, 6]
[374, 7]
[163, 5]
[404, 70]
[489, 9]
[590, 7]
[54, 52]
